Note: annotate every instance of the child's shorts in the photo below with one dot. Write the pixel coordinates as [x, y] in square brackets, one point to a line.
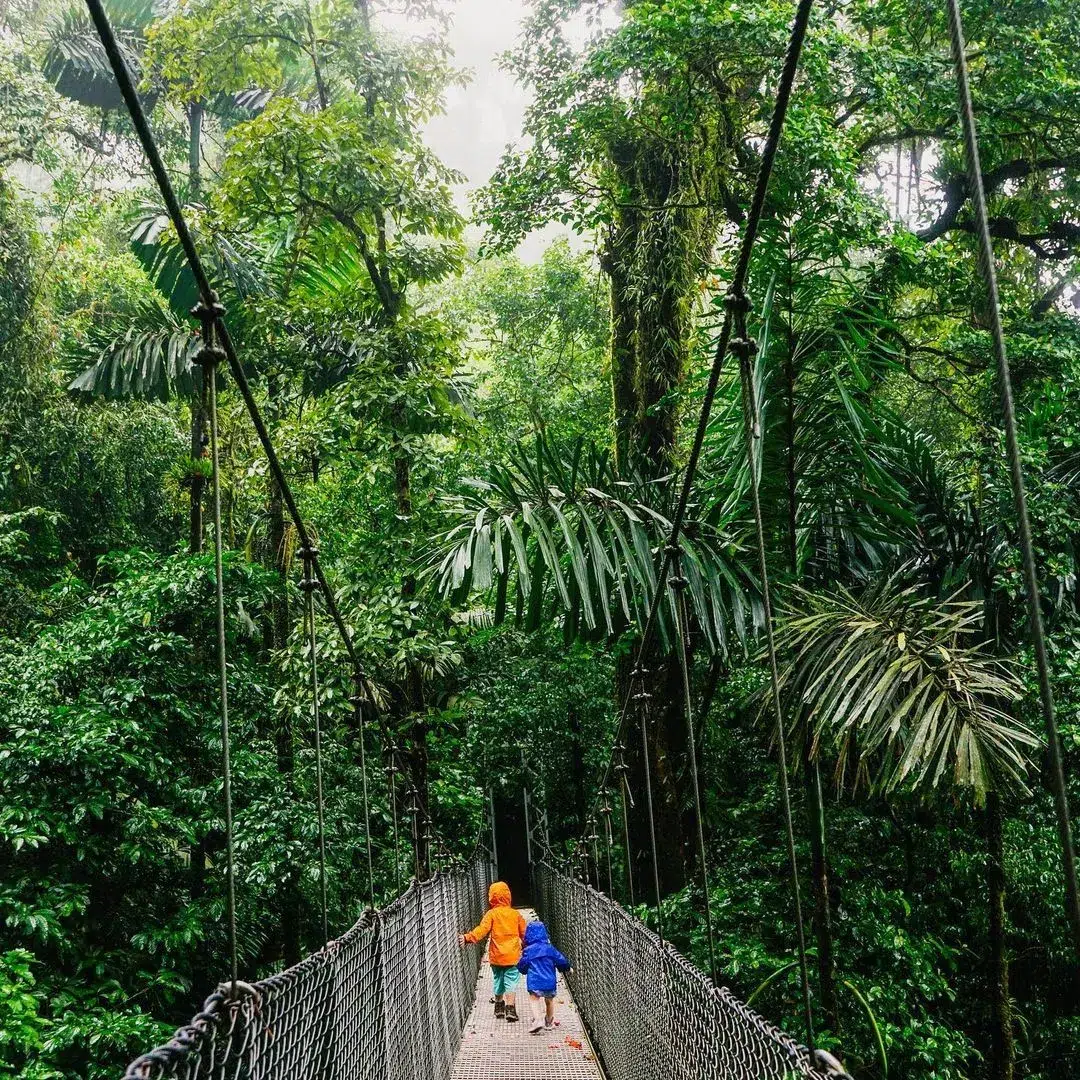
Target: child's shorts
[547, 995]
[506, 978]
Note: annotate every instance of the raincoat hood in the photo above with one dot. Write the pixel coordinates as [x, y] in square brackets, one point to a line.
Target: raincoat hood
[499, 894]
[536, 934]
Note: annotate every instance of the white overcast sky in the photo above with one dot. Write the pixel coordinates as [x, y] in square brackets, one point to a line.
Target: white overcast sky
[482, 117]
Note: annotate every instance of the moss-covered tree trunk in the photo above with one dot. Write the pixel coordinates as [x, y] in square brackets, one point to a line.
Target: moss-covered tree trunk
[652, 260]
[616, 262]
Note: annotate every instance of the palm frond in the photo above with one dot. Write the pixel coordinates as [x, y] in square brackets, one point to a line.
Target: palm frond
[152, 360]
[900, 690]
[560, 529]
[75, 61]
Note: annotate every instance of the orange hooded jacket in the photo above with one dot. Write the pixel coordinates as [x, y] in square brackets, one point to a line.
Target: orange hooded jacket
[505, 925]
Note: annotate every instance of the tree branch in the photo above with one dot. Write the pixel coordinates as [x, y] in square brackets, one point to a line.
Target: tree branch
[957, 194]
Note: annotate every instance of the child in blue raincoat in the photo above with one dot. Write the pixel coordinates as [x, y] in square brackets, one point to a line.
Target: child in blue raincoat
[539, 962]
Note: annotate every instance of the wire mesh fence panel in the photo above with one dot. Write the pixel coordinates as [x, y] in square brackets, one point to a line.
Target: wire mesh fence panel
[386, 1001]
[651, 1014]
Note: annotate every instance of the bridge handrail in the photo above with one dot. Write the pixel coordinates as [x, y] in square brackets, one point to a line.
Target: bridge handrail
[651, 1014]
[387, 1000]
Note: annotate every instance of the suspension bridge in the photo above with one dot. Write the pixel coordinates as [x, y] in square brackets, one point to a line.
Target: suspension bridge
[395, 997]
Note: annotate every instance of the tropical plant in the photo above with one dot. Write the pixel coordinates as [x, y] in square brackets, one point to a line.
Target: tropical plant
[899, 690]
[559, 522]
[75, 61]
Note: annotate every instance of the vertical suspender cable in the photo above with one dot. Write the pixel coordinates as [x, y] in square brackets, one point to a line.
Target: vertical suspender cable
[744, 348]
[494, 848]
[593, 840]
[528, 823]
[391, 793]
[309, 585]
[682, 629]
[621, 770]
[1031, 582]
[358, 706]
[605, 814]
[209, 357]
[642, 697]
[414, 814]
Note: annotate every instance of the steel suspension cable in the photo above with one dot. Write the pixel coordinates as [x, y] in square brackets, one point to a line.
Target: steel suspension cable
[977, 191]
[745, 349]
[208, 357]
[309, 585]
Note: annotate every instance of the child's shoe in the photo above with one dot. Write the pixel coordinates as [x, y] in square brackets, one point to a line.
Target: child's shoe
[500, 1008]
[537, 1027]
[511, 1014]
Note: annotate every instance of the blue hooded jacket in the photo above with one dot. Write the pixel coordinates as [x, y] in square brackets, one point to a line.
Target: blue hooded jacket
[540, 959]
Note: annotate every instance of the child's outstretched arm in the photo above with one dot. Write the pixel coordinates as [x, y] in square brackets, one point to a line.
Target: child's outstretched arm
[560, 961]
[478, 933]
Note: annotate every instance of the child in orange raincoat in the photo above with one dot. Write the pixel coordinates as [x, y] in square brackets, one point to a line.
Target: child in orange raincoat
[506, 927]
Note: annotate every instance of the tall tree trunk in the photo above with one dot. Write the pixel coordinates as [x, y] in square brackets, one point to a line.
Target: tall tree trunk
[1002, 1046]
[196, 112]
[616, 263]
[653, 259]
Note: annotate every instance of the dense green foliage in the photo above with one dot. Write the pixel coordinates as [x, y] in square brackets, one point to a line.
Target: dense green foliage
[484, 449]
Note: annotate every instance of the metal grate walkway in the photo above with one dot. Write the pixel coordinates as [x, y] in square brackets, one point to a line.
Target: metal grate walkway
[495, 1050]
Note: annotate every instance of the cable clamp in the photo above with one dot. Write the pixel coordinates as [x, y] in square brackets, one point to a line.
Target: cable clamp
[208, 312]
[744, 347]
[209, 356]
[736, 301]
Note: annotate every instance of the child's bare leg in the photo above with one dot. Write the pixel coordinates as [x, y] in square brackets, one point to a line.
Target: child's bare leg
[536, 1014]
[549, 1011]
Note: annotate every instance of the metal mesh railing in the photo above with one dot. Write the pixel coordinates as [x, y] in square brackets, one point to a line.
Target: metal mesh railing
[386, 1001]
[651, 1014]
